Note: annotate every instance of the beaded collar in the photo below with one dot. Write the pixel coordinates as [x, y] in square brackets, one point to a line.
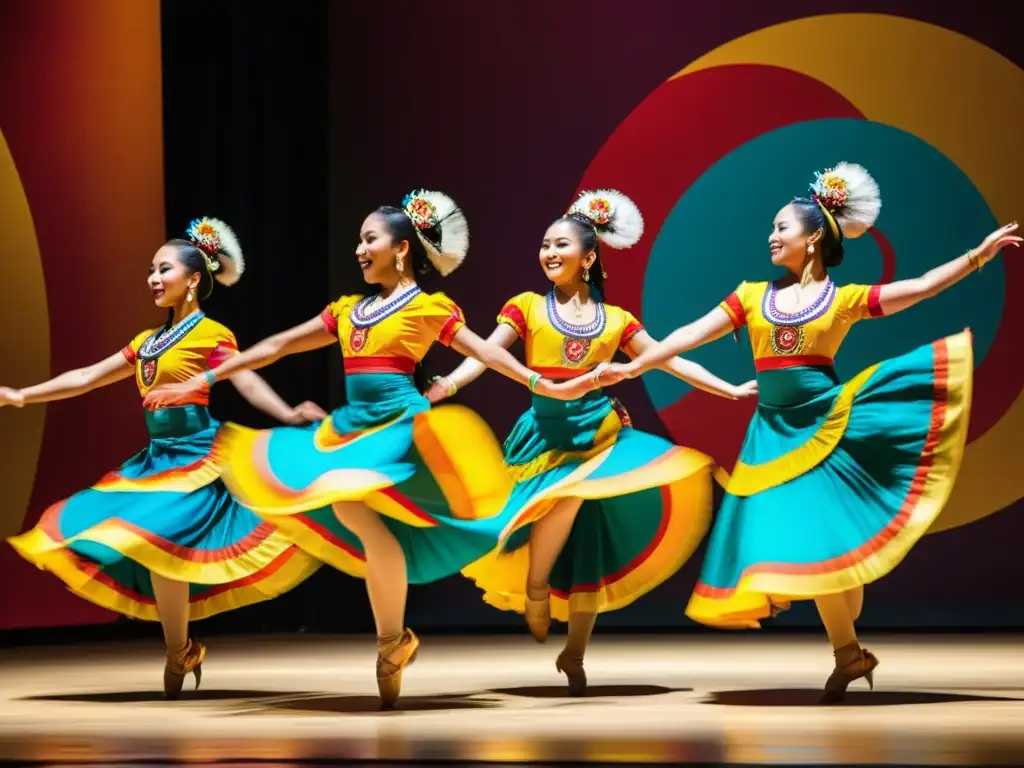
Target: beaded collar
[814, 311]
[362, 319]
[159, 342]
[591, 330]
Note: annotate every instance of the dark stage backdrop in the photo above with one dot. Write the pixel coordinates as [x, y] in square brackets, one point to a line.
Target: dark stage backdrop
[127, 119]
[292, 120]
[81, 211]
[711, 116]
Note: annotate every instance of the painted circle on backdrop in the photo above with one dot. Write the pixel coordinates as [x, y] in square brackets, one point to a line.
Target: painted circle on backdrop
[716, 150]
[736, 244]
[24, 344]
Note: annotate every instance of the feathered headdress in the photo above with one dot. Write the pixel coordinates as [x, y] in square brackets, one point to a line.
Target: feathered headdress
[434, 213]
[615, 217]
[849, 197]
[219, 246]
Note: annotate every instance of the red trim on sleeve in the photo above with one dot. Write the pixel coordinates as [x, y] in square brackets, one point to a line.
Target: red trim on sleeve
[513, 316]
[329, 320]
[632, 329]
[736, 311]
[451, 326]
[875, 301]
[222, 352]
[129, 354]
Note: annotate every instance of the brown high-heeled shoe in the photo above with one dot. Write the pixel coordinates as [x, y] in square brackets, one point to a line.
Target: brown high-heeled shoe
[852, 663]
[180, 664]
[390, 664]
[538, 617]
[571, 665]
[775, 608]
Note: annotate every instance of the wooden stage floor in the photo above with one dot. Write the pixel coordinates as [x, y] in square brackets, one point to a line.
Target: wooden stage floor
[711, 699]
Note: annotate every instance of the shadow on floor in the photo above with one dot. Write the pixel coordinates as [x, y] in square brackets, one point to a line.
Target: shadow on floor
[336, 704]
[808, 697]
[593, 691]
[138, 697]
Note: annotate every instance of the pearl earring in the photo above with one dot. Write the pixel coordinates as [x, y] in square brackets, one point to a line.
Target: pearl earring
[810, 248]
[400, 263]
[189, 297]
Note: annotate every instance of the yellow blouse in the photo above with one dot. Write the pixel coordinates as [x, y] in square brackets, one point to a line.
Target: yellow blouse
[560, 350]
[809, 337]
[394, 337]
[194, 345]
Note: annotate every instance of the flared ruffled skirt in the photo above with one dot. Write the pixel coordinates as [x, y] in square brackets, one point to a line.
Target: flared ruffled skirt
[431, 475]
[831, 491]
[646, 505]
[165, 511]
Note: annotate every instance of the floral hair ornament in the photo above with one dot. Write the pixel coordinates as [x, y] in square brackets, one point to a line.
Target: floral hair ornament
[420, 211]
[441, 227]
[849, 198]
[220, 248]
[614, 216]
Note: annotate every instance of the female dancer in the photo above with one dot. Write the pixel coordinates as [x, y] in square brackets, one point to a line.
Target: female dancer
[160, 538]
[835, 481]
[407, 484]
[601, 513]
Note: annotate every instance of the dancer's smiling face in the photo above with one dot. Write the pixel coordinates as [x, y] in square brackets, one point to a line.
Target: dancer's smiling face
[790, 238]
[379, 250]
[171, 277]
[564, 254]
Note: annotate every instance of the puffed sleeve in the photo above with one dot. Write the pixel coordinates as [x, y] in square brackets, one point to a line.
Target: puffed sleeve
[335, 310]
[444, 318]
[630, 328]
[735, 305]
[860, 302]
[225, 346]
[131, 349]
[515, 312]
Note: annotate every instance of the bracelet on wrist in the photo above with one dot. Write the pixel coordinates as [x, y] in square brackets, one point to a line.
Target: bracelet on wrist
[533, 382]
[210, 378]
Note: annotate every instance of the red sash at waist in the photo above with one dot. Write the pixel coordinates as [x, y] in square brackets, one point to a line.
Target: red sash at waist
[380, 364]
[791, 361]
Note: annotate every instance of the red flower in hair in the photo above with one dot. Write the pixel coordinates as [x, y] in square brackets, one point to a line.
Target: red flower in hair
[599, 211]
[421, 212]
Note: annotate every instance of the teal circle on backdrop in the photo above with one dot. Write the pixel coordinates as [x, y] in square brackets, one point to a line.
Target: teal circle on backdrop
[716, 236]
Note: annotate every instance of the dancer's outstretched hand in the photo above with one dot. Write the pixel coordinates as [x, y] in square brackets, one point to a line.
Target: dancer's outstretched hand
[10, 396]
[745, 390]
[994, 243]
[171, 395]
[306, 413]
[440, 389]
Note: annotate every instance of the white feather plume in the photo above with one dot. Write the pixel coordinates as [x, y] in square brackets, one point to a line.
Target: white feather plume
[213, 236]
[616, 218]
[454, 228]
[859, 211]
[230, 256]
